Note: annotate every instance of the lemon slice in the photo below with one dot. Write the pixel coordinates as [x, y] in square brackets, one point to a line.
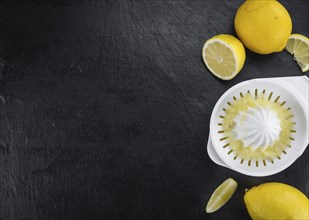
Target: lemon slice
[221, 195]
[224, 56]
[298, 45]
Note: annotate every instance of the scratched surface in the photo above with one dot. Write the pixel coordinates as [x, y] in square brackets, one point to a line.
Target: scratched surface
[105, 107]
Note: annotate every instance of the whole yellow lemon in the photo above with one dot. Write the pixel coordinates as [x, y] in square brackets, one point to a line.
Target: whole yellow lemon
[276, 201]
[263, 26]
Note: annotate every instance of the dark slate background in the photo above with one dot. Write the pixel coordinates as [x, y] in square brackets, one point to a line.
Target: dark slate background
[105, 108]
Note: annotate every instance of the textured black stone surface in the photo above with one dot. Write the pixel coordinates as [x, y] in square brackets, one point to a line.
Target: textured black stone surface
[105, 108]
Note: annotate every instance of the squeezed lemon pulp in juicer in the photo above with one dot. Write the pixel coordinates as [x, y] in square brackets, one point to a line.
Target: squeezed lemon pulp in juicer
[258, 128]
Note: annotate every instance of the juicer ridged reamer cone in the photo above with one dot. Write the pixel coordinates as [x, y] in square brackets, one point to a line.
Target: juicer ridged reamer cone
[258, 127]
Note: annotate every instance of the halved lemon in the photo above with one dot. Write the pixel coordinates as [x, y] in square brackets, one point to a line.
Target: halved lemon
[221, 195]
[224, 56]
[298, 45]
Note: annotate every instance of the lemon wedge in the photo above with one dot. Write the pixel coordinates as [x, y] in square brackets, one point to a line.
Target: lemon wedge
[298, 45]
[224, 56]
[221, 195]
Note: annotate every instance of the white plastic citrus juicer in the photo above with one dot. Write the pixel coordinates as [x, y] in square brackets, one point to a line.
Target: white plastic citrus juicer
[293, 92]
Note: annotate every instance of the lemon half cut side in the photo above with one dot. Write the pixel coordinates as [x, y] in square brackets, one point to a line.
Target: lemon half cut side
[224, 55]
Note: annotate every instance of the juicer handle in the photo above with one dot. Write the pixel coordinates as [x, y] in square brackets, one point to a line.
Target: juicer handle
[300, 84]
[213, 154]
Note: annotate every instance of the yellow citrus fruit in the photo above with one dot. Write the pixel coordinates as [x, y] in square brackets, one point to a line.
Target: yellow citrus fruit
[263, 26]
[276, 201]
[298, 45]
[221, 195]
[224, 56]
